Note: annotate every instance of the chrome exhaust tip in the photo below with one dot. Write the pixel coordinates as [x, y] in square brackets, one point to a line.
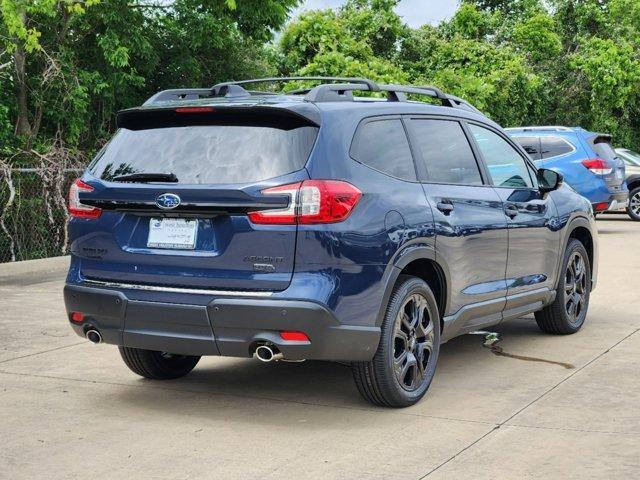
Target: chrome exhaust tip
[266, 354]
[93, 336]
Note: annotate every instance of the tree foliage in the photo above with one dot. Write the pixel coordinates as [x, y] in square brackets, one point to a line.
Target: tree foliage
[66, 66]
[573, 62]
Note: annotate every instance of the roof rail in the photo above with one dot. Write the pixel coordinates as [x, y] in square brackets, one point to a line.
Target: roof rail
[552, 128]
[369, 83]
[333, 89]
[178, 94]
[395, 93]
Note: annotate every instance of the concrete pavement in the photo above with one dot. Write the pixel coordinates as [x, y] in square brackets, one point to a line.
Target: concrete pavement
[69, 409]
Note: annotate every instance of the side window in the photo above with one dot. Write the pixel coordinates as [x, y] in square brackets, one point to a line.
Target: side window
[383, 146]
[554, 147]
[506, 167]
[531, 145]
[445, 150]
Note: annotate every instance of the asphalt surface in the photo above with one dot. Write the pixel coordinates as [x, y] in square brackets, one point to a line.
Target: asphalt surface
[70, 409]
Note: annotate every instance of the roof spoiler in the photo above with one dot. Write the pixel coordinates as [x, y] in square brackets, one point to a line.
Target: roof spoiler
[188, 116]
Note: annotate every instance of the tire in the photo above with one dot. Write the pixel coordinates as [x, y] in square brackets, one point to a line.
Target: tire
[157, 365]
[633, 210]
[409, 343]
[568, 311]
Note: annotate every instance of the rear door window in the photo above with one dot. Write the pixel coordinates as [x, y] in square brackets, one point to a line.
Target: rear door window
[210, 154]
[506, 166]
[531, 145]
[554, 147]
[443, 147]
[383, 145]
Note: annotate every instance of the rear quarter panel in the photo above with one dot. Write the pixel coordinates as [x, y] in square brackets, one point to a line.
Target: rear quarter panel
[346, 265]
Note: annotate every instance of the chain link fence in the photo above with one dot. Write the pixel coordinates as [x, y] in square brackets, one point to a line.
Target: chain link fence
[33, 212]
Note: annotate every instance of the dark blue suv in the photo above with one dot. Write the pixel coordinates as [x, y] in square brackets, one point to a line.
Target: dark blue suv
[319, 225]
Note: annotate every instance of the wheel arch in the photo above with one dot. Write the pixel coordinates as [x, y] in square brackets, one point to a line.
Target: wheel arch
[633, 181]
[420, 261]
[581, 229]
[583, 235]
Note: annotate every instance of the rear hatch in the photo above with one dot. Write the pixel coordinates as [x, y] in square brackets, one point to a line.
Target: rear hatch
[174, 187]
[612, 170]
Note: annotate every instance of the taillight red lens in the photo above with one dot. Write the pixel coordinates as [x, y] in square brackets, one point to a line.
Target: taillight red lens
[600, 207]
[598, 166]
[284, 216]
[77, 317]
[78, 209]
[326, 201]
[290, 336]
[311, 202]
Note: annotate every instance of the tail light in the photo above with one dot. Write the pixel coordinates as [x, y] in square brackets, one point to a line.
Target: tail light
[598, 166]
[293, 336]
[311, 202]
[77, 209]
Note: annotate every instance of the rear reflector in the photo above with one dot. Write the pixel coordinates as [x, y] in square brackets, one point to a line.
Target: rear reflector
[599, 207]
[195, 110]
[311, 202]
[294, 336]
[598, 166]
[77, 317]
[78, 209]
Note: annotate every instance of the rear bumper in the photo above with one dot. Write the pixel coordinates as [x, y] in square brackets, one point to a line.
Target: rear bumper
[616, 201]
[619, 203]
[224, 326]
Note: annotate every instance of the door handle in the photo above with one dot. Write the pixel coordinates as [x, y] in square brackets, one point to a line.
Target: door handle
[445, 207]
[511, 210]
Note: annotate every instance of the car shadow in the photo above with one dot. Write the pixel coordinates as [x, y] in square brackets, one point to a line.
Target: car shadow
[234, 388]
[614, 218]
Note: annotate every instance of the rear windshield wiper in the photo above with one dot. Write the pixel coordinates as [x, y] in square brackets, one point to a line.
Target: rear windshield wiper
[146, 177]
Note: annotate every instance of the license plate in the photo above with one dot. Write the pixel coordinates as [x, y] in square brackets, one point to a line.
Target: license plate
[173, 233]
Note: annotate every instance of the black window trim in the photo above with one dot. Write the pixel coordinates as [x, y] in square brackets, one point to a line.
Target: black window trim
[381, 118]
[423, 176]
[516, 146]
[573, 147]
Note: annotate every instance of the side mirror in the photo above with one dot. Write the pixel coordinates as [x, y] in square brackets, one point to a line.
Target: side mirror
[549, 180]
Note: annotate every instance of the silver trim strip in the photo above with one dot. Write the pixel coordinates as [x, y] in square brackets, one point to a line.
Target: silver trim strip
[196, 291]
[553, 128]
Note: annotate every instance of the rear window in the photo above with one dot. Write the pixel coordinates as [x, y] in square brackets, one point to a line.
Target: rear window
[531, 145]
[211, 154]
[383, 146]
[555, 146]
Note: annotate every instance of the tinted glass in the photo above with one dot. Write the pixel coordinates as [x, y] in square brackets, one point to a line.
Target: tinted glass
[446, 152]
[506, 167]
[531, 145]
[554, 147]
[207, 154]
[383, 145]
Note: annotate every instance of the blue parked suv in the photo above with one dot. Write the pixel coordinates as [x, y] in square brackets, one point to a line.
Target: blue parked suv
[587, 161]
[319, 225]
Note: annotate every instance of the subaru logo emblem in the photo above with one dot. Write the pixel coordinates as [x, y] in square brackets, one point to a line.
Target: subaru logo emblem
[167, 201]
